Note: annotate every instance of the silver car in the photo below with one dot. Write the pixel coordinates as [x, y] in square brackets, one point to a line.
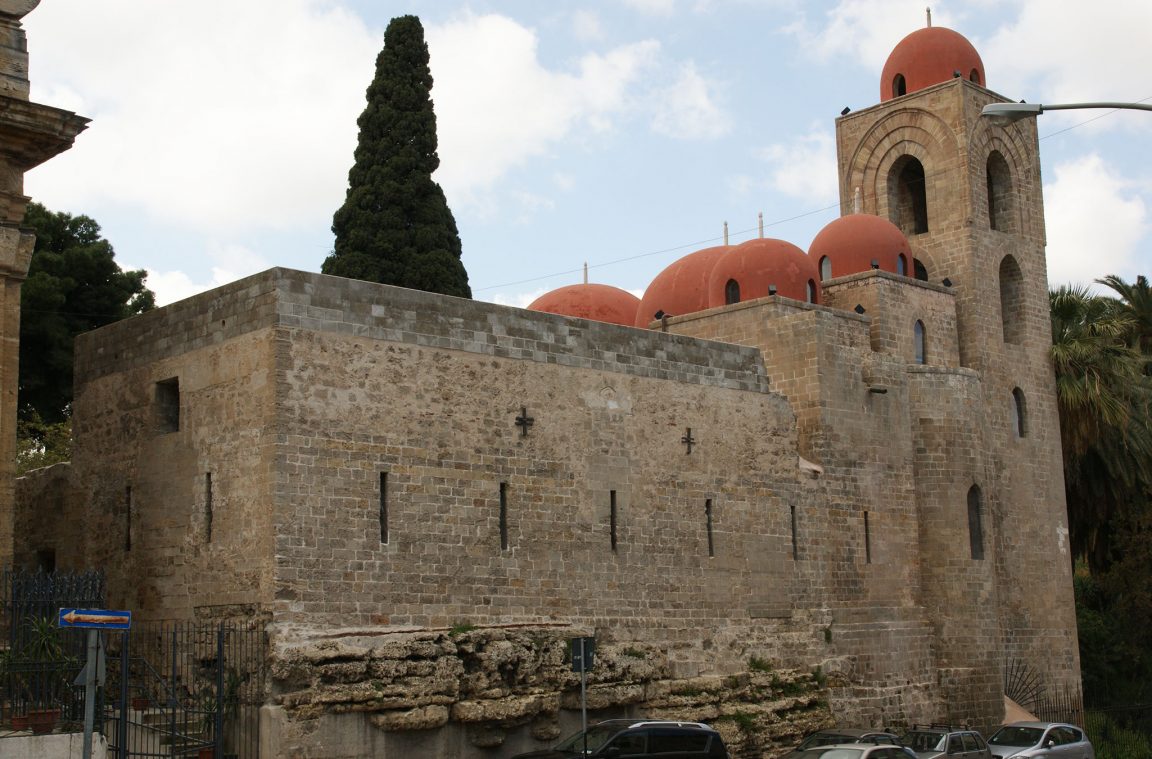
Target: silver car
[1052, 740]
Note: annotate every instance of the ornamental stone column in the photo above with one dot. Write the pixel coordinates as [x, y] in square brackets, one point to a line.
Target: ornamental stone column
[30, 134]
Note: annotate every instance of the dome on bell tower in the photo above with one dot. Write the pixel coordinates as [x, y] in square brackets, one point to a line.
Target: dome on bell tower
[929, 56]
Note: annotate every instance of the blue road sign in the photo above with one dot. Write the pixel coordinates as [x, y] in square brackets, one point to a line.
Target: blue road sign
[97, 619]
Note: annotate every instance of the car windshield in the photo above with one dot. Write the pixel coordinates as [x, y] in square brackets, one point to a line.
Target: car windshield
[1016, 736]
[825, 739]
[918, 741]
[598, 735]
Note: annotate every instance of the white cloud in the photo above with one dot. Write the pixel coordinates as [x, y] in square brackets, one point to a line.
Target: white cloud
[686, 108]
[231, 261]
[519, 300]
[497, 106]
[1072, 52]
[1096, 223]
[657, 7]
[864, 30]
[189, 137]
[586, 26]
[803, 168]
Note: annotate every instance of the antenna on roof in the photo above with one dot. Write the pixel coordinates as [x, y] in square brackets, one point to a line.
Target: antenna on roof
[929, 10]
[585, 272]
[760, 216]
[725, 233]
[857, 201]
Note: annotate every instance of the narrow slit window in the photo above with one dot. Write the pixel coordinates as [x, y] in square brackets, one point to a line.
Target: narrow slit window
[383, 507]
[208, 507]
[825, 269]
[612, 518]
[867, 540]
[503, 516]
[976, 522]
[128, 518]
[708, 522]
[811, 292]
[920, 355]
[1019, 419]
[795, 543]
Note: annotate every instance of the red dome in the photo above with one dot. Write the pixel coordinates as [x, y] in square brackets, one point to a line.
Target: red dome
[758, 264]
[602, 303]
[927, 57]
[680, 289]
[851, 243]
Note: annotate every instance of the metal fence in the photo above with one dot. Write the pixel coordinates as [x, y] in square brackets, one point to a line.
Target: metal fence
[170, 689]
[186, 689]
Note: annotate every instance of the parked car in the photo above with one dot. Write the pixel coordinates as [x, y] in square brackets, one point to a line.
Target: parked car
[946, 742]
[1057, 740]
[837, 735]
[639, 739]
[854, 751]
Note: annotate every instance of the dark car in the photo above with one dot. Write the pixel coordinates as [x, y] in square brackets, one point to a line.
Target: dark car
[1025, 740]
[639, 739]
[946, 741]
[844, 735]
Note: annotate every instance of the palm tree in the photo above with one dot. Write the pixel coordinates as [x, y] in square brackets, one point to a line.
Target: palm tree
[1136, 301]
[1103, 397]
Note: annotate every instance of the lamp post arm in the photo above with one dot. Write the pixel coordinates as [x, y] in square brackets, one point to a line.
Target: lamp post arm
[1077, 106]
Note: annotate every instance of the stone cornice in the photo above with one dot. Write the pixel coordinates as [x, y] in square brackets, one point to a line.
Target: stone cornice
[31, 133]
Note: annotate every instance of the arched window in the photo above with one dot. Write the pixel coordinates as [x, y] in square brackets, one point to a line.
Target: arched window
[732, 292]
[1019, 413]
[1001, 200]
[974, 76]
[907, 196]
[811, 291]
[899, 86]
[918, 342]
[976, 522]
[902, 265]
[1012, 300]
[825, 268]
[920, 270]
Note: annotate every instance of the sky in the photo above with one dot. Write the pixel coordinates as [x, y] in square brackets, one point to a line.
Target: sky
[621, 134]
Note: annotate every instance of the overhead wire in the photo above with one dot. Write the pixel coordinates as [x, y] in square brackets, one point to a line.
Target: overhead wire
[737, 233]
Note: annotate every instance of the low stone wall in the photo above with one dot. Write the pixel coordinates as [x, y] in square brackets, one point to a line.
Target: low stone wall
[58, 746]
[465, 693]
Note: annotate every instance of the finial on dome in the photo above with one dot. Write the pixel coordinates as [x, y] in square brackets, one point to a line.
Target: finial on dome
[857, 201]
[760, 217]
[585, 272]
[929, 10]
[725, 233]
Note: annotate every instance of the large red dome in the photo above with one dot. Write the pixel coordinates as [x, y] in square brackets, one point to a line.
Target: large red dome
[929, 56]
[602, 303]
[851, 243]
[680, 289]
[750, 269]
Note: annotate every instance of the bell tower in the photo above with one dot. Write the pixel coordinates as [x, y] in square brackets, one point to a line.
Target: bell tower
[30, 134]
[995, 573]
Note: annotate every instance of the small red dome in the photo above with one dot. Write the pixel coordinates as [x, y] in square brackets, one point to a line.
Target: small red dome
[602, 303]
[851, 243]
[929, 56]
[682, 288]
[758, 264]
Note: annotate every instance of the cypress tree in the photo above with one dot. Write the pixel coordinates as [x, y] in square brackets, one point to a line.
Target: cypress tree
[395, 226]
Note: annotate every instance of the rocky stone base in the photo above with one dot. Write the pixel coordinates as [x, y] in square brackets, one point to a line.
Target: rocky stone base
[513, 688]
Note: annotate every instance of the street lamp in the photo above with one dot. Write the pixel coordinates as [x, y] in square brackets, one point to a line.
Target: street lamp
[1007, 113]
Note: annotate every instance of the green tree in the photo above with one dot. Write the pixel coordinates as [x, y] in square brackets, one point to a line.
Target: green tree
[1102, 394]
[395, 226]
[74, 285]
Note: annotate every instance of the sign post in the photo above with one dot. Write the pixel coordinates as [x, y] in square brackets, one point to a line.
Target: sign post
[92, 676]
[583, 654]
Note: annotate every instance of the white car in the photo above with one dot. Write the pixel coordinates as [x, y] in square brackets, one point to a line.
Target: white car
[1033, 740]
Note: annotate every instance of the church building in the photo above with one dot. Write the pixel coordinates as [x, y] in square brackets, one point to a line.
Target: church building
[842, 462]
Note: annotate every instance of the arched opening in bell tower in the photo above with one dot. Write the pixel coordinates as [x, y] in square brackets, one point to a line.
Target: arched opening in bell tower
[1001, 205]
[1012, 300]
[907, 196]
